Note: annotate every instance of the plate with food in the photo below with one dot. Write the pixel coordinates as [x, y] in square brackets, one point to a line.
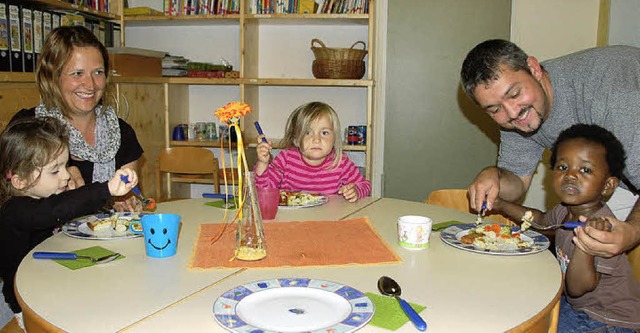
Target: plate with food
[293, 305]
[102, 226]
[494, 239]
[298, 199]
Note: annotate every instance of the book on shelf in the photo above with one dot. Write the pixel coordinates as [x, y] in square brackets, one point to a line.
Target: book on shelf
[5, 57]
[307, 7]
[46, 25]
[15, 38]
[27, 39]
[142, 11]
[55, 20]
[173, 72]
[343, 7]
[37, 36]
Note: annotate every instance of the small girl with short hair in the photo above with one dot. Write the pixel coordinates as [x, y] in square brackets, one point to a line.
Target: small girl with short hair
[312, 159]
[34, 200]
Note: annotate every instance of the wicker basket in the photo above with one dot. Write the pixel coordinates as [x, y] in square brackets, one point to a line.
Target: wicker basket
[338, 69]
[338, 63]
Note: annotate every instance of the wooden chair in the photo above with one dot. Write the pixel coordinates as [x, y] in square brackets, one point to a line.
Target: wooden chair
[458, 199]
[634, 259]
[193, 165]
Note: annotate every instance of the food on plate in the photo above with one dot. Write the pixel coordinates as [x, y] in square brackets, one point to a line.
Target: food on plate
[495, 237]
[297, 198]
[100, 224]
[114, 222]
[527, 218]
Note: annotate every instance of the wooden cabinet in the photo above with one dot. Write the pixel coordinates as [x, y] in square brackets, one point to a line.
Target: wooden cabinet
[142, 105]
[17, 91]
[272, 53]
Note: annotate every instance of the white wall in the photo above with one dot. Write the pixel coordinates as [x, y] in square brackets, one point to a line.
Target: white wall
[624, 22]
[548, 29]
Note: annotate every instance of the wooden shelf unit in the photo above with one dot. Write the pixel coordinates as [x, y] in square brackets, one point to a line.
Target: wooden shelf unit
[250, 81]
[171, 94]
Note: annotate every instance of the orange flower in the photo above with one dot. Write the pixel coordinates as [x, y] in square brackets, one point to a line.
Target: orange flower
[232, 111]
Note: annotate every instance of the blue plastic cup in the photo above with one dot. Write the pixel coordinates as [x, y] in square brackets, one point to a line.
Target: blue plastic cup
[160, 234]
[178, 133]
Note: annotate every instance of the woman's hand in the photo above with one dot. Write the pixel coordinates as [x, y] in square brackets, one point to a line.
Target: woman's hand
[127, 203]
[75, 179]
[349, 192]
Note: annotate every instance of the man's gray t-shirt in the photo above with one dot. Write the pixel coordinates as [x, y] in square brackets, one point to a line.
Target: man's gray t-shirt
[598, 86]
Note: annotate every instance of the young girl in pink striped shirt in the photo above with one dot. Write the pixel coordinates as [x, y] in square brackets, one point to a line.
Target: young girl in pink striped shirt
[312, 159]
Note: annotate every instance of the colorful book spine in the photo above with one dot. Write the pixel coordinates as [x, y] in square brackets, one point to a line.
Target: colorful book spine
[5, 57]
[15, 37]
[37, 36]
[27, 39]
[46, 25]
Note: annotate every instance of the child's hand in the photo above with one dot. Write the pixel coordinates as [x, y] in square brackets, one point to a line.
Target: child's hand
[599, 222]
[349, 192]
[117, 187]
[263, 150]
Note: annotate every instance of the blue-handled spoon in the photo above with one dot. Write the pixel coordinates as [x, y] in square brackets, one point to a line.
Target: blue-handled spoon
[390, 287]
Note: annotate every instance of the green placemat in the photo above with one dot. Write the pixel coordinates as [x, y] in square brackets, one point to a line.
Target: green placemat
[443, 225]
[93, 252]
[388, 312]
[221, 204]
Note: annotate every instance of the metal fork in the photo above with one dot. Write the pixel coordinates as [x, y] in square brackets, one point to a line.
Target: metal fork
[147, 203]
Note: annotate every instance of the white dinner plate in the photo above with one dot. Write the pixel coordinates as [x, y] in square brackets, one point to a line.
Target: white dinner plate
[320, 200]
[452, 235]
[78, 228]
[293, 305]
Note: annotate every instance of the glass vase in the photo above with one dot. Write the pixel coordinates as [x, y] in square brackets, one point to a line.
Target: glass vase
[250, 240]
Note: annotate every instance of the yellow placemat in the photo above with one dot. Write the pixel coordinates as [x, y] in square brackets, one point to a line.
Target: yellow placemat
[296, 244]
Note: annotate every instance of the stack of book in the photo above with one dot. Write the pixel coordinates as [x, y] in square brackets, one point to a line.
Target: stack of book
[201, 7]
[174, 66]
[208, 70]
[343, 7]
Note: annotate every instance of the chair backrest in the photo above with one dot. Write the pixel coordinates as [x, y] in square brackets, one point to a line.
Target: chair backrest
[186, 165]
[634, 260]
[458, 199]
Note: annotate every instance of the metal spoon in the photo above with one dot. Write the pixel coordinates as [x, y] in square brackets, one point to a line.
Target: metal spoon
[73, 256]
[390, 287]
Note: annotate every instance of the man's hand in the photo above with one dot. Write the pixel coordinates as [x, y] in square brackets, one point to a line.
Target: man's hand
[623, 237]
[493, 181]
[485, 187]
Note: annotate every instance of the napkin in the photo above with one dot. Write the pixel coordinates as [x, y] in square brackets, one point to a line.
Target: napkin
[388, 312]
[220, 204]
[443, 225]
[94, 252]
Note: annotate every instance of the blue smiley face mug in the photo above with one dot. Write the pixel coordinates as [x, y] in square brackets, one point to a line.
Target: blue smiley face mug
[160, 234]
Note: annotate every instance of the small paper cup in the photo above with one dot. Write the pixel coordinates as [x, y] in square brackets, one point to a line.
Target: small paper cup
[414, 232]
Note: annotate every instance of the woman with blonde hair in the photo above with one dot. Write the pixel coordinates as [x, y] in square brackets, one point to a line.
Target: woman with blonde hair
[72, 76]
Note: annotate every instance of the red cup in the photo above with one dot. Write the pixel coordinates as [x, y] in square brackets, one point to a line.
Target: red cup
[268, 198]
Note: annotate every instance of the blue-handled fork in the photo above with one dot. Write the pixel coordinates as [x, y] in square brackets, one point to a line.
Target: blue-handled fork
[147, 203]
